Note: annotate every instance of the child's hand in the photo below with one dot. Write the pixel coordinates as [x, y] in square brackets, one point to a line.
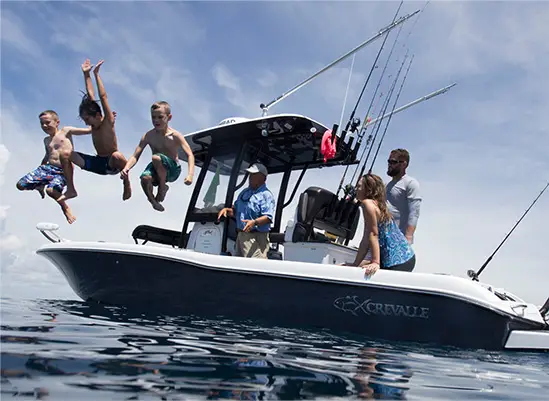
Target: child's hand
[188, 180]
[124, 173]
[86, 67]
[96, 69]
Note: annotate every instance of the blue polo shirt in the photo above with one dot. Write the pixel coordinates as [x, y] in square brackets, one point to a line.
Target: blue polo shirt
[252, 204]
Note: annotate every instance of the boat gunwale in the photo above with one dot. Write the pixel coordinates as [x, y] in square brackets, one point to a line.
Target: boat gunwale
[77, 246]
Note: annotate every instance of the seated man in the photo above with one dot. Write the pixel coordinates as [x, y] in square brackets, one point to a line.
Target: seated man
[254, 210]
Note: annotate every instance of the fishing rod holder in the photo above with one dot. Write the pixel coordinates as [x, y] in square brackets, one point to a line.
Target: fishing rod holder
[472, 274]
[264, 109]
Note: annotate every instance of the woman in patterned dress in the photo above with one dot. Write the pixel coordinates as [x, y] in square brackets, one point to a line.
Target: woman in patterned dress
[388, 246]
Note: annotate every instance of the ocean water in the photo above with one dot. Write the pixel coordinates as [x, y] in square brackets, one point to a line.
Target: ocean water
[71, 350]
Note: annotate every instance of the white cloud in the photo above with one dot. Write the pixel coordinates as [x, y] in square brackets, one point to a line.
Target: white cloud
[267, 78]
[13, 35]
[10, 243]
[4, 157]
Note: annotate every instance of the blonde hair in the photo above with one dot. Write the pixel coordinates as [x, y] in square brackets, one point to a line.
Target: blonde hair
[374, 189]
[162, 105]
[51, 113]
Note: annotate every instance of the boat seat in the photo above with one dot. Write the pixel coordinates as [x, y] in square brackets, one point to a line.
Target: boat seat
[321, 209]
[157, 235]
[276, 238]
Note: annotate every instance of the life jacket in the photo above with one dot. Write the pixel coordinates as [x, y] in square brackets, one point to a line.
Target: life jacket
[327, 147]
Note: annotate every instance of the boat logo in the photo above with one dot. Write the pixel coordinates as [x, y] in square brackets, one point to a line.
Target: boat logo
[354, 305]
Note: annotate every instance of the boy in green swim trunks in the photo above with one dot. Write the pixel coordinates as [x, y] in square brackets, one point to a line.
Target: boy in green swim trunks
[164, 167]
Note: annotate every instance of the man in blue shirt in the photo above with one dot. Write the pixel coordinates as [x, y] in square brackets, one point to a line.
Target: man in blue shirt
[253, 210]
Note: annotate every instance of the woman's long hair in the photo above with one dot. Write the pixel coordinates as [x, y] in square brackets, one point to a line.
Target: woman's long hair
[374, 188]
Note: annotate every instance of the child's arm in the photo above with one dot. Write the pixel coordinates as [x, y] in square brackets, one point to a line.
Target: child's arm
[103, 94]
[190, 156]
[78, 131]
[46, 156]
[86, 68]
[135, 157]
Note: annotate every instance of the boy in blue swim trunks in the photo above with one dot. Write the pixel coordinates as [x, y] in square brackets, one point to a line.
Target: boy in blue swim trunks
[108, 160]
[164, 167]
[53, 174]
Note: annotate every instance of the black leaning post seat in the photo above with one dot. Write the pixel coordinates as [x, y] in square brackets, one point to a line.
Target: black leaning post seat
[156, 235]
[321, 209]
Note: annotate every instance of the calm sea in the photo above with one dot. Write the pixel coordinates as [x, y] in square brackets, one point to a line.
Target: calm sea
[70, 350]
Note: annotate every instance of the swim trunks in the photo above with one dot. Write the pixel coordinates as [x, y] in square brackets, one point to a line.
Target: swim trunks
[98, 164]
[173, 169]
[47, 175]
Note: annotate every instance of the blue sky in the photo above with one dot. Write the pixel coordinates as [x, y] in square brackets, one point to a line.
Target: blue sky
[479, 151]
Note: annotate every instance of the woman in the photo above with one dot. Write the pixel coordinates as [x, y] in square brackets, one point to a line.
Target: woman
[389, 247]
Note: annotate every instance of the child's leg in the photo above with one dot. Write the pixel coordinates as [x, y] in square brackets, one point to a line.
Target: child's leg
[36, 179]
[118, 162]
[55, 194]
[68, 172]
[147, 185]
[161, 177]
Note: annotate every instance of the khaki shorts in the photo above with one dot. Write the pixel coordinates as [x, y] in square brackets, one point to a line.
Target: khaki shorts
[252, 245]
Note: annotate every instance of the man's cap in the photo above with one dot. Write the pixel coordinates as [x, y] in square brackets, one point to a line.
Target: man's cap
[257, 168]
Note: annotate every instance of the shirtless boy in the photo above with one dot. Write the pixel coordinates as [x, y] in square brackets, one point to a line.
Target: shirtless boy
[108, 159]
[49, 174]
[165, 143]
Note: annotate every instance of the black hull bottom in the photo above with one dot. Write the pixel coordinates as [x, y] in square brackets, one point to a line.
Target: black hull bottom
[172, 287]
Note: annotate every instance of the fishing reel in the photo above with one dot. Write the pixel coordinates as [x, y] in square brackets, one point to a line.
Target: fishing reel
[349, 191]
[354, 124]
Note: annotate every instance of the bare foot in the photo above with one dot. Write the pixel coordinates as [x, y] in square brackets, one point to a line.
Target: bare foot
[162, 191]
[157, 206]
[127, 189]
[68, 213]
[69, 194]
[40, 190]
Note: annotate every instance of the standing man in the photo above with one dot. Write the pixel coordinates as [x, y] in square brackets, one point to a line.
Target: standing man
[403, 195]
[254, 210]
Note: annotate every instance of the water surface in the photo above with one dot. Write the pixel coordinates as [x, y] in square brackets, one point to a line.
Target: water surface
[70, 350]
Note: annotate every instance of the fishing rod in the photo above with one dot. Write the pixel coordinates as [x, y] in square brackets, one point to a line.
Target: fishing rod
[361, 133]
[265, 108]
[391, 116]
[347, 91]
[383, 111]
[351, 117]
[471, 273]
[365, 122]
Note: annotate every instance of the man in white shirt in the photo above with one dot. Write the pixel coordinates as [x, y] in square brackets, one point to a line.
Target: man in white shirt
[403, 195]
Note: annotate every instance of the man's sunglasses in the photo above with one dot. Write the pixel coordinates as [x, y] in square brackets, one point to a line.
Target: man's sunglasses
[392, 161]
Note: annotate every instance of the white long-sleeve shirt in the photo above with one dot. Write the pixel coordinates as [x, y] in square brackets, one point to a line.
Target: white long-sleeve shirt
[404, 201]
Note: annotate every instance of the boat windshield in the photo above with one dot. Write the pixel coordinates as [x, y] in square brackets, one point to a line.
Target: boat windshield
[216, 181]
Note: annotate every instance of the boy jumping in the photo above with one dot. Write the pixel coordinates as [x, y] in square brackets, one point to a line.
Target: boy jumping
[58, 144]
[165, 143]
[108, 159]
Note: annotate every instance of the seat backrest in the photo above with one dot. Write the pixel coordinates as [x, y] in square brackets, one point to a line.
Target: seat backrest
[156, 234]
[321, 209]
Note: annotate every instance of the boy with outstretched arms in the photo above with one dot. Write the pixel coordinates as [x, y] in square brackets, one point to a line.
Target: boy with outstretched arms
[53, 174]
[164, 167]
[108, 159]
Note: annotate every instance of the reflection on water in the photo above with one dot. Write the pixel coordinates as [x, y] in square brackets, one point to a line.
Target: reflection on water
[75, 350]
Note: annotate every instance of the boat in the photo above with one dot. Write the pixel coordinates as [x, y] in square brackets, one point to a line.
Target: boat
[193, 271]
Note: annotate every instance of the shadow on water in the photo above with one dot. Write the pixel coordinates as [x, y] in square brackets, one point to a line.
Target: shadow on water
[78, 350]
